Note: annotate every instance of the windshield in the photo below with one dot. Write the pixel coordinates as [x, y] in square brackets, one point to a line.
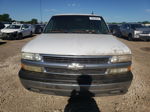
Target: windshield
[13, 27]
[76, 24]
[136, 26]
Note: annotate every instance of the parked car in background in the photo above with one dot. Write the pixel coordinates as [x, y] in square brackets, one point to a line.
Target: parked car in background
[135, 31]
[16, 31]
[76, 55]
[38, 28]
[6, 23]
[32, 27]
[115, 29]
[2, 25]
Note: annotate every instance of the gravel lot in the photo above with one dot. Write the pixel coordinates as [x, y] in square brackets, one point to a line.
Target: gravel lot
[14, 98]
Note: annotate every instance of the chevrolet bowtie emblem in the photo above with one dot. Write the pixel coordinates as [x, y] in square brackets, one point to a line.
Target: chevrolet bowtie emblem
[75, 66]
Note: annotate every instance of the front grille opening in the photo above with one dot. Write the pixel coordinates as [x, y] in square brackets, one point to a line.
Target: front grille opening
[67, 60]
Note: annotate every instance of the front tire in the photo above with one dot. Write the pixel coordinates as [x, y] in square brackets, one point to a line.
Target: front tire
[31, 34]
[130, 38]
[20, 36]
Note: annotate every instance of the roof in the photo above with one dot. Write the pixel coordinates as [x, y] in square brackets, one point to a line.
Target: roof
[16, 24]
[71, 14]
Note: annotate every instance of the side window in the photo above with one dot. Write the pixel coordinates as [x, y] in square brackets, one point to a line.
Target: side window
[25, 26]
[128, 26]
[123, 26]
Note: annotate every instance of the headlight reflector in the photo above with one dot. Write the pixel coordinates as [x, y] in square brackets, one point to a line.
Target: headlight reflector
[121, 58]
[31, 56]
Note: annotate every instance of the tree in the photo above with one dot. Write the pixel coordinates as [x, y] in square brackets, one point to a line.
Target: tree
[5, 18]
[145, 22]
[33, 21]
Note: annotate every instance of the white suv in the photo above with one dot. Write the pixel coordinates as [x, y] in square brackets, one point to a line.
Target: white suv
[76, 55]
[16, 31]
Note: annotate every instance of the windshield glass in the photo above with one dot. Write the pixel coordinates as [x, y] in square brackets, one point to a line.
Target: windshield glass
[76, 24]
[136, 26]
[13, 27]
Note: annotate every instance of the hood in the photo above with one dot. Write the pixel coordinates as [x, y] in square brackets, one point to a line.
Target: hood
[9, 30]
[143, 29]
[76, 44]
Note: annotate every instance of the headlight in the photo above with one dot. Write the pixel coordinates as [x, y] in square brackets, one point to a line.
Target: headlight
[118, 70]
[138, 32]
[31, 56]
[121, 58]
[32, 68]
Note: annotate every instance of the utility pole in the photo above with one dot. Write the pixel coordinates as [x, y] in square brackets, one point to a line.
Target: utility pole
[92, 13]
[41, 10]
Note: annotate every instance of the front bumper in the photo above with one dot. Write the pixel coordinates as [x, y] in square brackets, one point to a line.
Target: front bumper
[0, 35]
[144, 36]
[96, 85]
[9, 35]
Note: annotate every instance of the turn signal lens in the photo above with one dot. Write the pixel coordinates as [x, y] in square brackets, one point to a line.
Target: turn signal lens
[118, 70]
[32, 68]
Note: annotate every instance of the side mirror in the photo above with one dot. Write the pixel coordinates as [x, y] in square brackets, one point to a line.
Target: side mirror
[128, 27]
[23, 28]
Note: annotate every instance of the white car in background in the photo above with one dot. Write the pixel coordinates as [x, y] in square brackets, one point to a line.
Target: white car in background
[16, 31]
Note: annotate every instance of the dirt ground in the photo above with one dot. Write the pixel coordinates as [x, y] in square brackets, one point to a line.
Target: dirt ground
[14, 98]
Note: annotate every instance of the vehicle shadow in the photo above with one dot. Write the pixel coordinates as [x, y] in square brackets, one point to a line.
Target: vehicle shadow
[2, 42]
[14, 39]
[82, 100]
[33, 35]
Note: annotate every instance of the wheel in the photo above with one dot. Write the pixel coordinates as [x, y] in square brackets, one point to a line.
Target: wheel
[130, 38]
[12, 38]
[20, 36]
[31, 34]
[119, 35]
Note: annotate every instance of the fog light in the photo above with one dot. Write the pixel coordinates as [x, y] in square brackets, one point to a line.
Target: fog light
[32, 68]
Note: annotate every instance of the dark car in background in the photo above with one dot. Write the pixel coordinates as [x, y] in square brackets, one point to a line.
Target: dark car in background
[38, 28]
[115, 29]
[2, 25]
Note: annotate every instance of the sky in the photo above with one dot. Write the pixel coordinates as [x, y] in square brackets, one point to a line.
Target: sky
[110, 10]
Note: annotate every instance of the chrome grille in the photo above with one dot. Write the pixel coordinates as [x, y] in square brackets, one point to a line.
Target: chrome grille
[61, 64]
[81, 60]
[146, 32]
